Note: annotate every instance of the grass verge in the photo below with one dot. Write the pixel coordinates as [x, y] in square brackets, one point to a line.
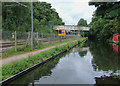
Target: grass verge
[22, 50]
[18, 66]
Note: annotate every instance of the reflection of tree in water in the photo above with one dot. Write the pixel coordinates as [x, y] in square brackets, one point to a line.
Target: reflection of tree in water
[82, 54]
[112, 79]
[103, 57]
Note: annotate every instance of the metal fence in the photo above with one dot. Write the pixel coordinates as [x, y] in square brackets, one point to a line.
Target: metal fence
[15, 38]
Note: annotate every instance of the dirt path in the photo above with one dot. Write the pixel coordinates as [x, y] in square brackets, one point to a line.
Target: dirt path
[18, 57]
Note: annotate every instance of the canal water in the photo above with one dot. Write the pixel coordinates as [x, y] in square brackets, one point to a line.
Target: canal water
[93, 63]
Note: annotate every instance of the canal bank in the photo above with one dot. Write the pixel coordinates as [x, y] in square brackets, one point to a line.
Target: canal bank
[14, 68]
[92, 63]
[31, 53]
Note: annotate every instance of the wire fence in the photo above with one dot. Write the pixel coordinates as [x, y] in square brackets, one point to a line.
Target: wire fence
[16, 38]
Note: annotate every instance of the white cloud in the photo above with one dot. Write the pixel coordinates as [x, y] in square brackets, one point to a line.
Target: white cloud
[64, 1]
[72, 10]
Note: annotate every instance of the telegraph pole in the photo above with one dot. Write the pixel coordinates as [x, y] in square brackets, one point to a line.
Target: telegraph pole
[32, 24]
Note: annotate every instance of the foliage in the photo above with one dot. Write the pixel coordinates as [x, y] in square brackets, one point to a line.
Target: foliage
[82, 54]
[104, 57]
[105, 21]
[118, 42]
[82, 22]
[19, 17]
[84, 33]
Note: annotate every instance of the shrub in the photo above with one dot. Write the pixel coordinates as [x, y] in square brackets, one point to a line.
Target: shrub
[118, 42]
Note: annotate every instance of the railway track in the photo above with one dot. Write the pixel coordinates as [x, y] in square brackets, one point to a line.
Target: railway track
[8, 45]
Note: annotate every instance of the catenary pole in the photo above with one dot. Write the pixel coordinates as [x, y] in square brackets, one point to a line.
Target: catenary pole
[32, 24]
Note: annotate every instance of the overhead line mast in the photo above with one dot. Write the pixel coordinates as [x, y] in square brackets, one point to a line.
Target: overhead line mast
[18, 3]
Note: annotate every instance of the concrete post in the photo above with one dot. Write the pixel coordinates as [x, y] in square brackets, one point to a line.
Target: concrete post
[37, 41]
[15, 42]
[32, 40]
[32, 44]
[54, 36]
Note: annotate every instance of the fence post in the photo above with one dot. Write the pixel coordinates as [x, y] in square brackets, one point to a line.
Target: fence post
[28, 38]
[37, 41]
[15, 42]
[49, 37]
[42, 35]
[54, 37]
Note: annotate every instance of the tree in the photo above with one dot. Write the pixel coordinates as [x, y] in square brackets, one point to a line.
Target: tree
[17, 17]
[105, 21]
[82, 22]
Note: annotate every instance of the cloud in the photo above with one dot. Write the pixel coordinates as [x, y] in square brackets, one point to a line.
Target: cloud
[64, 1]
[72, 10]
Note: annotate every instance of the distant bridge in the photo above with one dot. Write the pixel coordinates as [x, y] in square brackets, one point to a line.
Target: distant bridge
[70, 28]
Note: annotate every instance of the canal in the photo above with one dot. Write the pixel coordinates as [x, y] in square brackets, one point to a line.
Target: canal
[93, 63]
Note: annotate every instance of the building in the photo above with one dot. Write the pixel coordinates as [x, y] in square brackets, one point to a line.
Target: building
[116, 37]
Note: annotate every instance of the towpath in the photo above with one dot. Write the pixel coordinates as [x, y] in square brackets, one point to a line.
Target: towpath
[22, 56]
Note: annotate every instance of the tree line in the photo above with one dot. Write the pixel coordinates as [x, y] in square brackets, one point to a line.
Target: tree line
[105, 21]
[17, 17]
[83, 23]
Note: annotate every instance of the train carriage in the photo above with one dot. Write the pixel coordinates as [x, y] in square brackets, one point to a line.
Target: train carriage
[62, 33]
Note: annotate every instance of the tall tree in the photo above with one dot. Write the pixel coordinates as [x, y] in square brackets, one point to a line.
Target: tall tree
[105, 21]
[17, 17]
[82, 22]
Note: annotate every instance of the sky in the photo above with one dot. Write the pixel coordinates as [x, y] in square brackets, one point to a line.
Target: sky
[72, 10]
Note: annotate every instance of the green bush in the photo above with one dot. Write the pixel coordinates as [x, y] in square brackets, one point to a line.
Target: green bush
[117, 42]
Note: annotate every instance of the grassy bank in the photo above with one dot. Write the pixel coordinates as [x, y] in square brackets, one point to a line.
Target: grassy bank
[43, 70]
[16, 67]
[22, 50]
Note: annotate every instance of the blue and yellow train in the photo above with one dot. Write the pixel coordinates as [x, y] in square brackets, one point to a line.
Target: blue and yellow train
[62, 33]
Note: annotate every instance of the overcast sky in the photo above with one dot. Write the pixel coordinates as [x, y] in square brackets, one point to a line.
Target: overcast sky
[72, 10]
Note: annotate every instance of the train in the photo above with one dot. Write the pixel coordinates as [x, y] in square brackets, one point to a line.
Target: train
[62, 33]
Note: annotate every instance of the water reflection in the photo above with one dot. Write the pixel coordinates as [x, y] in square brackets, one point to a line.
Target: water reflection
[104, 57]
[107, 60]
[116, 48]
[112, 79]
[33, 76]
[71, 70]
[82, 51]
[93, 64]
